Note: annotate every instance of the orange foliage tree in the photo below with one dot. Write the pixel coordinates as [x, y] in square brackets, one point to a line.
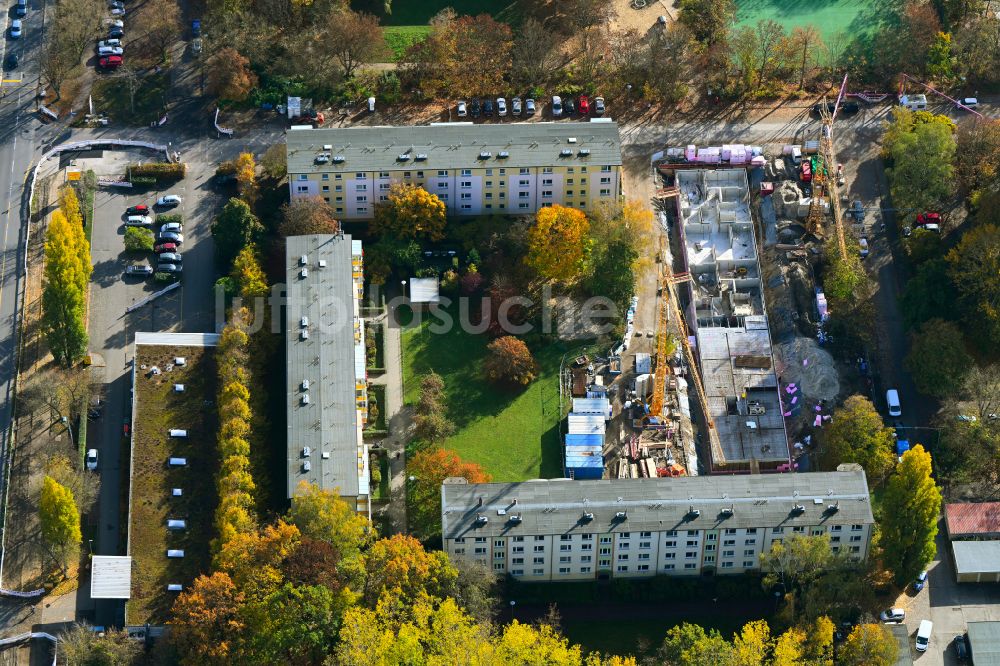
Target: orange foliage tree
[230, 76]
[429, 468]
[410, 212]
[510, 362]
[558, 244]
[206, 620]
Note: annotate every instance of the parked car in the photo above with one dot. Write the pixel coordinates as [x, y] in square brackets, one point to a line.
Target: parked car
[110, 51]
[858, 211]
[118, 11]
[529, 107]
[921, 580]
[92, 459]
[501, 107]
[863, 247]
[924, 633]
[168, 268]
[557, 107]
[115, 23]
[893, 615]
[462, 110]
[569, 107]
[138, 221]
[114, 32]
[961, 647]
[139, 269]
[21, 9]
[598, 106]
[584, 105]
[10, 62]
[165, 247]
[168, 201]
[111, 62]
[969, 102]
[110, 42]
[966, 418]
[140, 209]
[488, 108]
[15, 29]
[515, 106]
[176, 227]
[929, 221]
[169, 257]
[895, 409]
[170, 237]
[475, 109]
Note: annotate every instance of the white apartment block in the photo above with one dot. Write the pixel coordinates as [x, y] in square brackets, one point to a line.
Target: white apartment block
[563, 530]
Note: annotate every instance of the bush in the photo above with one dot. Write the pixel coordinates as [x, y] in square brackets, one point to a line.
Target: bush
[160, 171]
[163, 277]
[138, 239]
[227, 168]
[169, 217]
[142, 180]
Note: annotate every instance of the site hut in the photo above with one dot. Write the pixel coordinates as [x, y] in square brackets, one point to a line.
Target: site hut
[474, 169]
[973, 528]
[326, 379]
[560, 529]
[729, 319]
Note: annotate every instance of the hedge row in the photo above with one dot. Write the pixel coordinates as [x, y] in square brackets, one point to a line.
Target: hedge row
[169, 217]
[161, 171]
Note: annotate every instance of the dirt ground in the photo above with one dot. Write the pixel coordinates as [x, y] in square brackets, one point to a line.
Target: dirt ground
[626, 17]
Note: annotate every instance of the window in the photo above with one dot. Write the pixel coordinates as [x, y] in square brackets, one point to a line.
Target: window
[690, 555]
[539, 560]
[835, 549]
[583, 193]
[730, 531]
[836, 528]
[519, 538]
[522, 183]
[569, 181]
[503, 195]
[583, 169]
[857, 528]
[420, 174]
[748, 564]
[606, 169]
[605, 563]
[339, 209]
[499, 555]
[583, 181]
[518, 549]
[856, 539]
[383, 187]
[692, 533]
[711, 537]
[538, 572]
[855, 549]
[727, 565]
[362, 210]
[565, 547]
[587, 546]
[584, 569]
[498, 566]
[817, 532]
[709, 548]
[671, 533]
[539, 538]
[524, 171]
[539, 549]
[583, 204]
[443, 197]
[326, 199]
[749, 542]
[623, 557]
[406, 174]
[709, 559]
[606, 180]
[835, 539]
[489, 172]
[798, 529]
[489, 183]
[645, 535]
[466, 195]
[480, 539]
[751, 530]
[466, 206]
[729, 542]
[302, 188]
[523, 195]
[605, 550]
[643, 556]
[585, 558]
[670, 556]
[728, 553]
[570, 170]
[643, 567]
[564, 570]
[460, 551]
[625, 535]
[360, 176]
[303, 176]
[338, 188]
[326, 188]
[489, 195]
[466, 184]
[442, 185]
[645, 544]
[383, 197]
[517, 572]
[669, 567]
[546, 193]
[691, 565]
[692, 543]
[480, 550]
[466, 172]
[622, 567]
[748, 553]
[546, 181]
[778, 530]
[670, 544]
[517, 560]
[362, 198]
[546, 169]
[503, 172]
[623, 546]
[524, 205]
[489, 206]
[338, 177]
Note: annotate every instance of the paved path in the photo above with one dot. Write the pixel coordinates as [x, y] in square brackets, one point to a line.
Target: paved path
[400, 422]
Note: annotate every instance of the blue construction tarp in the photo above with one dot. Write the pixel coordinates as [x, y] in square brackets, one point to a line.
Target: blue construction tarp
[584, 440]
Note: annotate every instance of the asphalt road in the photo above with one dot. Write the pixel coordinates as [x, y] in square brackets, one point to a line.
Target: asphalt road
[17, 145]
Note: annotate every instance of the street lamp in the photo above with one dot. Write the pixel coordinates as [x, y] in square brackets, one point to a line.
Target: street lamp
[512, 603]
[403, 283]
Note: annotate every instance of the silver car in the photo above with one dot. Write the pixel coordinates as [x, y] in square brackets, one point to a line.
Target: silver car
[169, 258]
[172, 226]
[515, 106]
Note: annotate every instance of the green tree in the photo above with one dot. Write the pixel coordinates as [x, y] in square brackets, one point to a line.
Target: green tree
[921, 148]
[613, 277]
[234, 228]
[844, 279]
[322, 515]
[910, 511]
[940, 62]
[293, 625]
[82, 646]
[410, 212]
[708, 20]
[869, 645]
[857, 434]
[400, 568]
[67, 272]
[974, 268]
[796, 562]
[688, 645]
[60, 520]
[138, 239]
[938, 360]
[928, 294]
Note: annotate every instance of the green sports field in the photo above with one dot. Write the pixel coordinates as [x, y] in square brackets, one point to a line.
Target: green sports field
[837, 20]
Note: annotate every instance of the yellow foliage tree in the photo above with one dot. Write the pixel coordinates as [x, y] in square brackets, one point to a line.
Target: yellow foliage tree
[410, 212]
[322, 515]
[248, 274]
[558, 243]
[246, 178]
[69, 204]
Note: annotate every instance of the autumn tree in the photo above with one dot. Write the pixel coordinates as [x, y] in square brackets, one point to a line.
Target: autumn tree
[910, 511]
[689, 645]
[206, 621]
[857, 434]
[234, 228]
[558, 243]
[77, 24]
[322, 515]
[464, 56]
[708, 20]
[80, 644]
[869, 645]
[67, 273]
[304, 217]
[248, 274]
[938, 360]
[60, 521]
[805, 42]
[246, 178]
[400, 567]
[410, 212]
[534, 53]
[431, 423]
[161, 23]
[57, 62]
[752, 645]
[354, 39]
[921, 149]
[429, 468]
[509, 361]
[275, 161]
[974, 268]
[760, 53]
[229, 75]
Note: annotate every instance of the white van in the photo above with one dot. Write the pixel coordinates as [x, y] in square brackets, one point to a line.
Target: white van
[176, 432]
[892, 400]
[924, 635]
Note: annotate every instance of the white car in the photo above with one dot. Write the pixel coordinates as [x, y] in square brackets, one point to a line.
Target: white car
[109, 43]
[463, 110]
[15, 29]
[501, 107]
[172, 226]
[168, 201]
[556, 106]
[110, 50]
[118, 11]
[896, 615]
[92, 459]
[138, 221]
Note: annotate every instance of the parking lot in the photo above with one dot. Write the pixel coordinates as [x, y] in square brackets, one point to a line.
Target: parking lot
[188, 308]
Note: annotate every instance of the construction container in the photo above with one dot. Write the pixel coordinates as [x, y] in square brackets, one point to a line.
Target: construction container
[585, 424]
[600, 406]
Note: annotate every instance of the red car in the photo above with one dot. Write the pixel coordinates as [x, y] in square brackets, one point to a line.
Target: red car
[141, 209]
[583, 106]
[806, 171]
[111, 62]
[165, 247]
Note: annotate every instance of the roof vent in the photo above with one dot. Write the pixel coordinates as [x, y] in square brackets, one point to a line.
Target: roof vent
[328, 146]
[586, 517]
[502, 155]
[833, 508]
[306, 466]
[571, 139]
[403, 158]
[304, 273]
[305, 384]
[565, 152]
[338, 159]
[693, 513]
[481, 519]
[305, 399]
[485, 155]
[421, 157]
[325, 455]
[322, 263]
[584, 152]
[304, 322]
[621, 515]
[514, 519]
[306, 451]
[798, 510]
[304, 334]
[303, 260]
[727, 512]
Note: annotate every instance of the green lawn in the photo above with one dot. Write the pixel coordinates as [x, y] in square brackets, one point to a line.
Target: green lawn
[400, 37]
[835, 19]
[514, 435]
[420, 12]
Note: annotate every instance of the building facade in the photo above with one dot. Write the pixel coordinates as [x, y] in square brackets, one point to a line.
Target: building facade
[508, 169]
[326, 377]
[560, 530]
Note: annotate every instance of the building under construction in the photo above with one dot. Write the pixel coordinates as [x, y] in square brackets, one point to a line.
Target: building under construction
[726, 314]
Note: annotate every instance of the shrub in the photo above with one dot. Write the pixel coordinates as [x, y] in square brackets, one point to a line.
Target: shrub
[160, 171]
[138, 239]
[169, 217]
[142, 180]
[163, 277]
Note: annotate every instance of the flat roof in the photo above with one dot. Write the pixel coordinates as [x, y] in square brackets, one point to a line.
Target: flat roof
[110, 577]
[972, 518]
[424, 290]
[976, 556]
[177, 339]
[451, 145]
[984, 642]
[322, 305]
[555, 506]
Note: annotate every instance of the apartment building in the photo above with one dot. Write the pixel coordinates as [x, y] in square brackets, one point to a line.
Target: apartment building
[489, 169]
[560, 529]
[326, 380]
